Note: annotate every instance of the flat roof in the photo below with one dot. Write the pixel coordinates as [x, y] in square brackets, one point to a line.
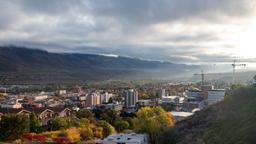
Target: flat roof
[181, 114]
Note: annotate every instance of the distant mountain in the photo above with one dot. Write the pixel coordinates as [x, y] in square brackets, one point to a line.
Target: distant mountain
[23, 65]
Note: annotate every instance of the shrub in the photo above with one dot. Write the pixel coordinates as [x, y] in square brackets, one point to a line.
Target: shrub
[98, 132]
[73, 134]
[86, 134]
[62, 140]
[59, 123]
[35, 137]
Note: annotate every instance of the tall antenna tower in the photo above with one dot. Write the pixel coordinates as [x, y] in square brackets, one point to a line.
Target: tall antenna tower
[234, 65]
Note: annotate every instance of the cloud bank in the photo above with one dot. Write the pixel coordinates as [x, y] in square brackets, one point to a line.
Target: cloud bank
[180, 31]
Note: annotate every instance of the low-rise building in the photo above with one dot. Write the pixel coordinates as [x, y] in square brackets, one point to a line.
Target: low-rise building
[11, 104]
[170, 99]
[180, 115]
[215, 96]
[61, 92]
[112, 106]
[131, 138]
[190, 106]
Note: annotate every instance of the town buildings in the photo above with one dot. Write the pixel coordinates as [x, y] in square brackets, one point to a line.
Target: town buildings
[11, 104]
[161, 93]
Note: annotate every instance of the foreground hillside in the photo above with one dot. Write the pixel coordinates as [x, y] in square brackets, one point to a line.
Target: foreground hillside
[22, 65]
[232, 121]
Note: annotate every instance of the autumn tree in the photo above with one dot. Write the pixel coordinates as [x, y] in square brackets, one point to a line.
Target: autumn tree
[86, 133]
[153, 121]
[108, 129]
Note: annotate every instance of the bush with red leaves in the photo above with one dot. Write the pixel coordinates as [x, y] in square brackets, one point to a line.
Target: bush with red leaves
[35, 137]
[62, 140]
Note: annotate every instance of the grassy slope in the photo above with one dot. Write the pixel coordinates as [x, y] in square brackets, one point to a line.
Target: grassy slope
[232, 121]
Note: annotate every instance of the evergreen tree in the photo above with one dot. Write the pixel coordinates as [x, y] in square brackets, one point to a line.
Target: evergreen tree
[35, 125]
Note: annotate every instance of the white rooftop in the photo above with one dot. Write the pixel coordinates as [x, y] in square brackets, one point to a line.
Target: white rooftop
[181, 114]
[131, 138]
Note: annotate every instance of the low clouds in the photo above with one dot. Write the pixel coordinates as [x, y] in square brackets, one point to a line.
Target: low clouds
[181, 31]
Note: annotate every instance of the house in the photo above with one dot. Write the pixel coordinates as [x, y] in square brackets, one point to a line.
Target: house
[45, 115]
[4, 111]
[61, 112]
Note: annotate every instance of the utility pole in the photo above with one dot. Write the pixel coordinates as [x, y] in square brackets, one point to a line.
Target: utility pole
[234, 65]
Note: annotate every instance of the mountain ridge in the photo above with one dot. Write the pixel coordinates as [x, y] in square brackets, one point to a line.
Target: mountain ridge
[21, 64]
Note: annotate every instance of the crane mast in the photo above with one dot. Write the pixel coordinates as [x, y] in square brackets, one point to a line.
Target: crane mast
[234, 65]
[202, 77]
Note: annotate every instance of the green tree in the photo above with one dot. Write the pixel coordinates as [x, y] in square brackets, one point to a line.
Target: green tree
[110, 116]
[153, 121]
[72, 121]
[85, 113]
[59, 123]
[168, 136]
[83, 122]
[13, 126]
[108, 129]
[35, 125]
[121, 125]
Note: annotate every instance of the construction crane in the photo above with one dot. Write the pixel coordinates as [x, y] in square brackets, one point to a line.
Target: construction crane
[202, 77]
[234, 65]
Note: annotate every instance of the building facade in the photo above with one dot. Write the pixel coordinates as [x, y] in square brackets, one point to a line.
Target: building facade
[131, 98]
[215, 96]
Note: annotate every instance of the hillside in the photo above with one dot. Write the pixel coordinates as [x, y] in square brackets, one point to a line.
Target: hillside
[231, 121]
[23, 65]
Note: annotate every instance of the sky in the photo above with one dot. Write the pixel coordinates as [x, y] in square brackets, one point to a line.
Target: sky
[179, 31]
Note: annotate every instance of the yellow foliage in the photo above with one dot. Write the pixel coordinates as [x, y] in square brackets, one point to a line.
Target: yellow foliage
[73, 134]
[98, 132]
[51, 134]
[152, 121]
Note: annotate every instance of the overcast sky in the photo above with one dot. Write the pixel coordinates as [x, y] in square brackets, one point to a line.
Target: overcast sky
[181, 31]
